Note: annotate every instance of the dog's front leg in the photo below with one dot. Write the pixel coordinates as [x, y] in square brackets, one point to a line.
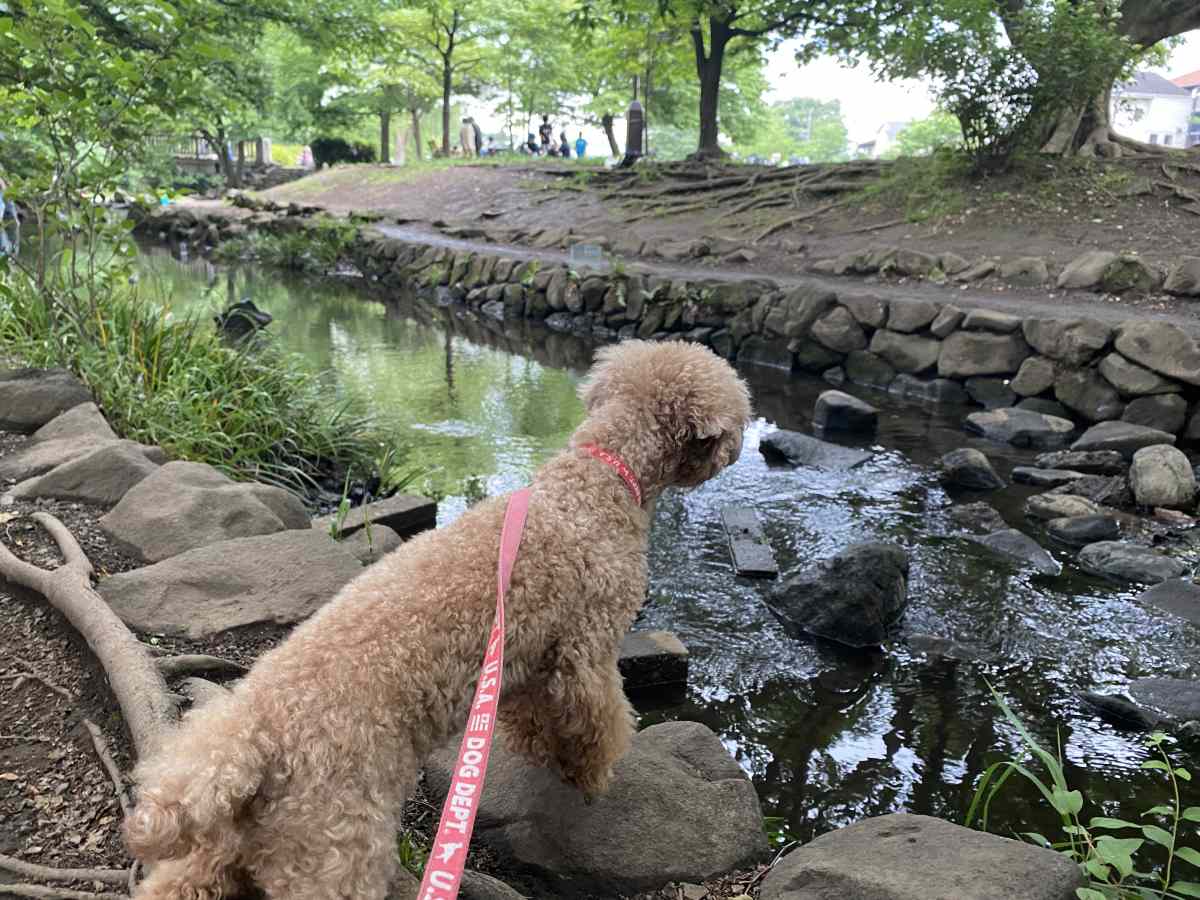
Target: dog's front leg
[578, 718]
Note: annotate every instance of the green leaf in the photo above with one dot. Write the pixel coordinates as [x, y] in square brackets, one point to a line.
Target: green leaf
[1118, 852]
[1191, 814]
[1038, 839]
[1161, 811]
[1089, 894]
[1186, 888]
[1188, 854]
[1156, 764]
[1068, 803]
[1183, 774]
[1102, 822]
[1158, 835]
[1097, 869]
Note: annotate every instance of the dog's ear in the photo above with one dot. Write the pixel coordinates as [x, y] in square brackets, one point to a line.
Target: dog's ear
[704, 457]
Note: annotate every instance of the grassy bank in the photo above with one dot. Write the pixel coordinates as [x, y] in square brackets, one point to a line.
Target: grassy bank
[248, 409]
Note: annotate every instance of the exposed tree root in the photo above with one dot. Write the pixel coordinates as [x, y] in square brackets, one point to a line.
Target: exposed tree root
[136, 681]
[1191, 198]
[31, 673]
[110, 765]
[50, 873]
[188, 663]
[789, 221]
[880, 227]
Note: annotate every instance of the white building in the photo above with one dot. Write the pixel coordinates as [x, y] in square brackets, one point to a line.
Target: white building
[1152, 110]
[883, 141]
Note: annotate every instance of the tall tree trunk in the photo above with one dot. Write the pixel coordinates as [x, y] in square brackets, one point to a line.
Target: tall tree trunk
[416, 126]
[385, 136]
[607, 122]
[447, 72]
[708, 68]
[241, 162]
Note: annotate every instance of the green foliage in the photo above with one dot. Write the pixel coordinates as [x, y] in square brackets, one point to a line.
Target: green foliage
[924, 187]
[926, 136]
[1107, 861]
[250, 410]
[807, 129]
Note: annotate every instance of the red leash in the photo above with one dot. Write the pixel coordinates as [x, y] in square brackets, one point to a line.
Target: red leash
[448, 856]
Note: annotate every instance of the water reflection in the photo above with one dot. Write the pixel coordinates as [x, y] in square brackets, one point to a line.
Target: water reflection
[827, 736]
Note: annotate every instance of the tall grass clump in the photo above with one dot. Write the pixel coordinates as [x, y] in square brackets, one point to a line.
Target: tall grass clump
[248, 409]
[1122, 860]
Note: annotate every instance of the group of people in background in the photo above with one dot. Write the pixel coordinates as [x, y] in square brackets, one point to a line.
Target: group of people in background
[544, 143]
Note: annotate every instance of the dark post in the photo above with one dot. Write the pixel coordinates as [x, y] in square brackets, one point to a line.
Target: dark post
[635, 121]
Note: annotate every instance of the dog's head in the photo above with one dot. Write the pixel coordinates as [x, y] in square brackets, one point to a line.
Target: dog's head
[687, 397]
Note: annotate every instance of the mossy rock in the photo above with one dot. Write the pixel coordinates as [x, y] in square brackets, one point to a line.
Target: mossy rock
[1129, 273]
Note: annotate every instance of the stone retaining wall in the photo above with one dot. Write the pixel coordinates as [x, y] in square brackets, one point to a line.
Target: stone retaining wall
[1141, 371]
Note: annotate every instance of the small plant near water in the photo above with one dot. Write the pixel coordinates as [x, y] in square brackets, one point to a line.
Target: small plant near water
[1107, 859]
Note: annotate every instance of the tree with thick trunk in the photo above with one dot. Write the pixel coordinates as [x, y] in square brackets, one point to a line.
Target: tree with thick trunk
[606, 122]
[416, 127]
[441, 30]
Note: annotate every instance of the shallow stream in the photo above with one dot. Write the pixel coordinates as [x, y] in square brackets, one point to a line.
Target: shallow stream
[828, 736]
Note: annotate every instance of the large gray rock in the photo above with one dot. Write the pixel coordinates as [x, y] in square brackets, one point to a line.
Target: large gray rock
[1123, 437]
[867, 309]
[679, 809]
[929, 390]
[29, 398]
[907, 857]
[1105, 490]
[1086, 270]
[906, 352]
[799, 309]
[281, 578]
[1021, 428]
[1090, 462]
[757, 350]
[1029, 271]
[991, 320]
[854, 597]
[947, 320]
[1088, 395]
[907, 316]
[405, 514]
[84, 421]
[969, 468]
[967, 353]
[977, 517]
[103, 476]
[798, 449]
[1035, 376]
[839, 331]
[1079, 531]
[1161, 347]
[1059, 506]
[1129, 273]
[1020, 546]
[810, 356]
[1184, 277]
[1072, 341]
[1045, 406]
[1132, 380]
[1044, 477]
[1123, 561]
[864, 367]
[38, 458]
[1178, 596]
[1162, 476]
[185, 505]
[1166, 412]
[1177, 699]
[839, 411]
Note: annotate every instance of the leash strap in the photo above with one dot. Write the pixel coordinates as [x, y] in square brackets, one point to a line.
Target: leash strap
[448, 856]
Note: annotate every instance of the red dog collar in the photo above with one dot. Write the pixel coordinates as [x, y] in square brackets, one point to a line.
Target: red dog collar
[618, 465]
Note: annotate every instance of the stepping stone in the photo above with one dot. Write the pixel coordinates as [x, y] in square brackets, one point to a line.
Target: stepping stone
[1123, 561]
[752, 555]
[1021, 428]
[82, 421]
[1124, 437]
[1178, 596]
[102, 477]
[1044, 477]
[652, 659]
[1089, 462]
[1083, 530]
[29, 398]
[405, 514]
[1022, 547]
[839, 411]
[798, 449]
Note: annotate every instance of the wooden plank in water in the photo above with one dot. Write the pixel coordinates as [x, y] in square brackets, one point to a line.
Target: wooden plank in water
[752, 555]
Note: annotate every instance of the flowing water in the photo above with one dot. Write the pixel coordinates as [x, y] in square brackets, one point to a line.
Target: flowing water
[827, 735]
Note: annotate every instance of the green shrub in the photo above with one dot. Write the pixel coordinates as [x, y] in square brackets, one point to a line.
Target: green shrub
[250, 410]
[328, 151]
[1107, 861]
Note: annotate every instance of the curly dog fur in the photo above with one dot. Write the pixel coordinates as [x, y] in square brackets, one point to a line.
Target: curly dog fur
[294, 782]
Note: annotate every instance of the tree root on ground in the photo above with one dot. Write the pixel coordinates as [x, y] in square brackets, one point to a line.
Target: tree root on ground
[789, 221]
[57, 893]
[110, 765]
[50, 873]
[190, 663]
